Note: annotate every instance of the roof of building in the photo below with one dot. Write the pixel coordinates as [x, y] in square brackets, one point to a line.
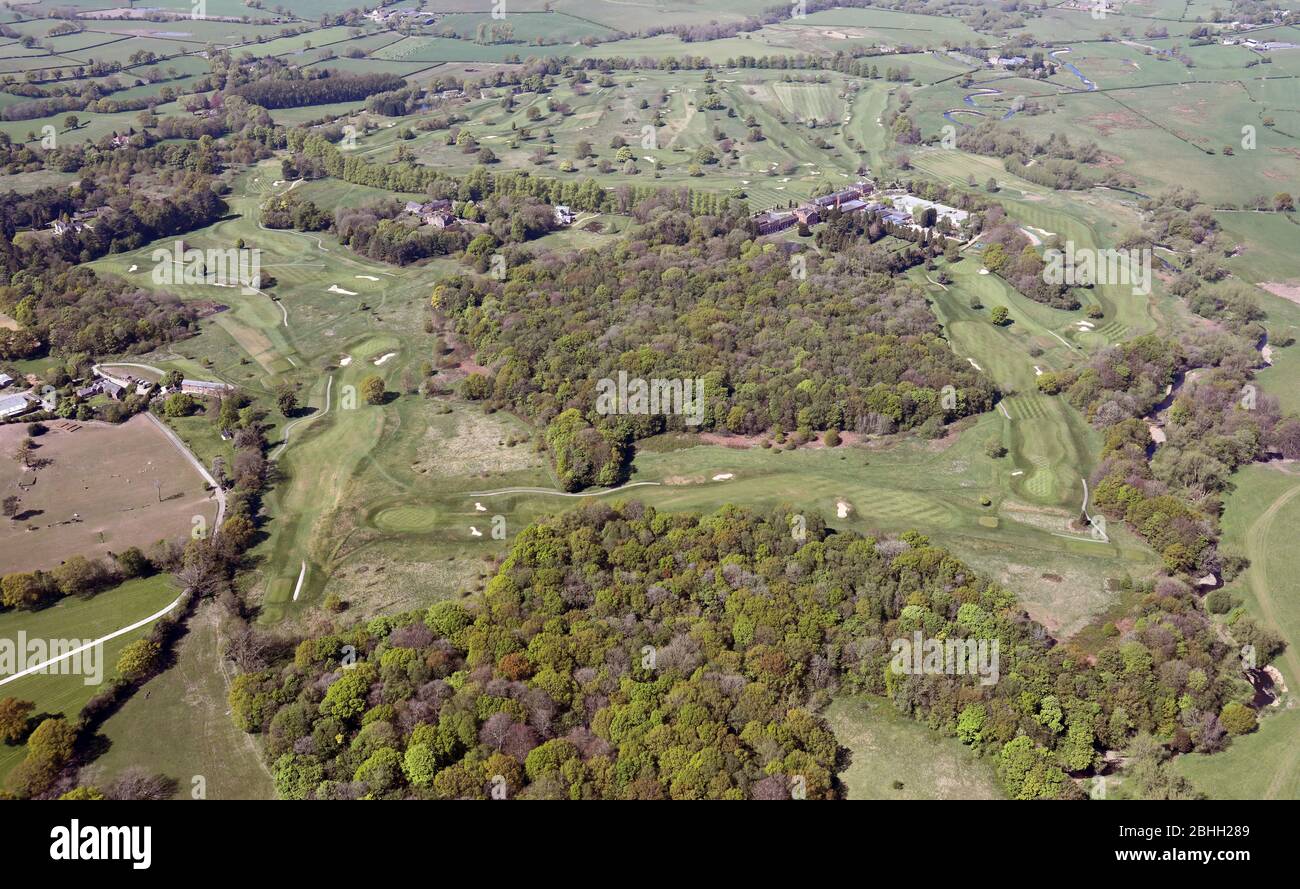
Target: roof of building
[14, 404]
[205, 384]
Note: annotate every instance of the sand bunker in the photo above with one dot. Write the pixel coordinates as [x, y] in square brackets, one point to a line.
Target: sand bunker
[383, 358]
[723, 476]
[345, 361]
[842, 509]
[334, 288]
[367, 277]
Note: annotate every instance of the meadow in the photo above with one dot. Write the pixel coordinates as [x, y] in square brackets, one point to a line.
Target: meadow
[1259, 521]
[202, 750]
[893, 757]
[82, 619]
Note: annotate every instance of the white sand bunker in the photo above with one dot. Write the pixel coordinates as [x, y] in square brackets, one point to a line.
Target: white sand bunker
[334, 288]
[381, 359]
[367, 277]
[842, 509]
[973, 364]
[1038, 371]
[480, 507]
[984, 271]
[345, 361]
[723, 476]
[133, 268]
[475, 531]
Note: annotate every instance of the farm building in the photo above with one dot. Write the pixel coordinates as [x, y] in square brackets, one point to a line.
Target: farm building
[205, 388]
[564, 215]
[15, 406]
[431, 212]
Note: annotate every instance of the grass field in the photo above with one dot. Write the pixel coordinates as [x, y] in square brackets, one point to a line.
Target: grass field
[107, 488]
[201, 741]
[893, 757]
[1260, 520]
[391, 506]
[82, 619]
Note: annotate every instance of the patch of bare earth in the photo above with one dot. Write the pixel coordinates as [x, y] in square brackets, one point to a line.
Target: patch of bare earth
[1282, 289]
[102, 488]
[727, 440]
[1108, 122]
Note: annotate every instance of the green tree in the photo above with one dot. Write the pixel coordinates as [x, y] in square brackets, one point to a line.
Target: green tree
[13, 719]
[286, 399]
[1238, 718]
[139, 660]
[178, 404]
[995, 257]
[372, 389]
[26, 589]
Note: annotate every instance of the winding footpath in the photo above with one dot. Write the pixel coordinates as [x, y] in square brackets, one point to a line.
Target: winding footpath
[329, 385]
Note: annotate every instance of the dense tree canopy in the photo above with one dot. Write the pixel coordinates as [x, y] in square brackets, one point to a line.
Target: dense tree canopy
[622, 652]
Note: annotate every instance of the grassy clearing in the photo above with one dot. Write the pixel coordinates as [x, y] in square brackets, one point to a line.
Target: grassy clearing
[888, 750]
[201, 740]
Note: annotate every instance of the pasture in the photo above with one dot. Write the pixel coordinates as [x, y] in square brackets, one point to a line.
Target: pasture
[105, 488]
